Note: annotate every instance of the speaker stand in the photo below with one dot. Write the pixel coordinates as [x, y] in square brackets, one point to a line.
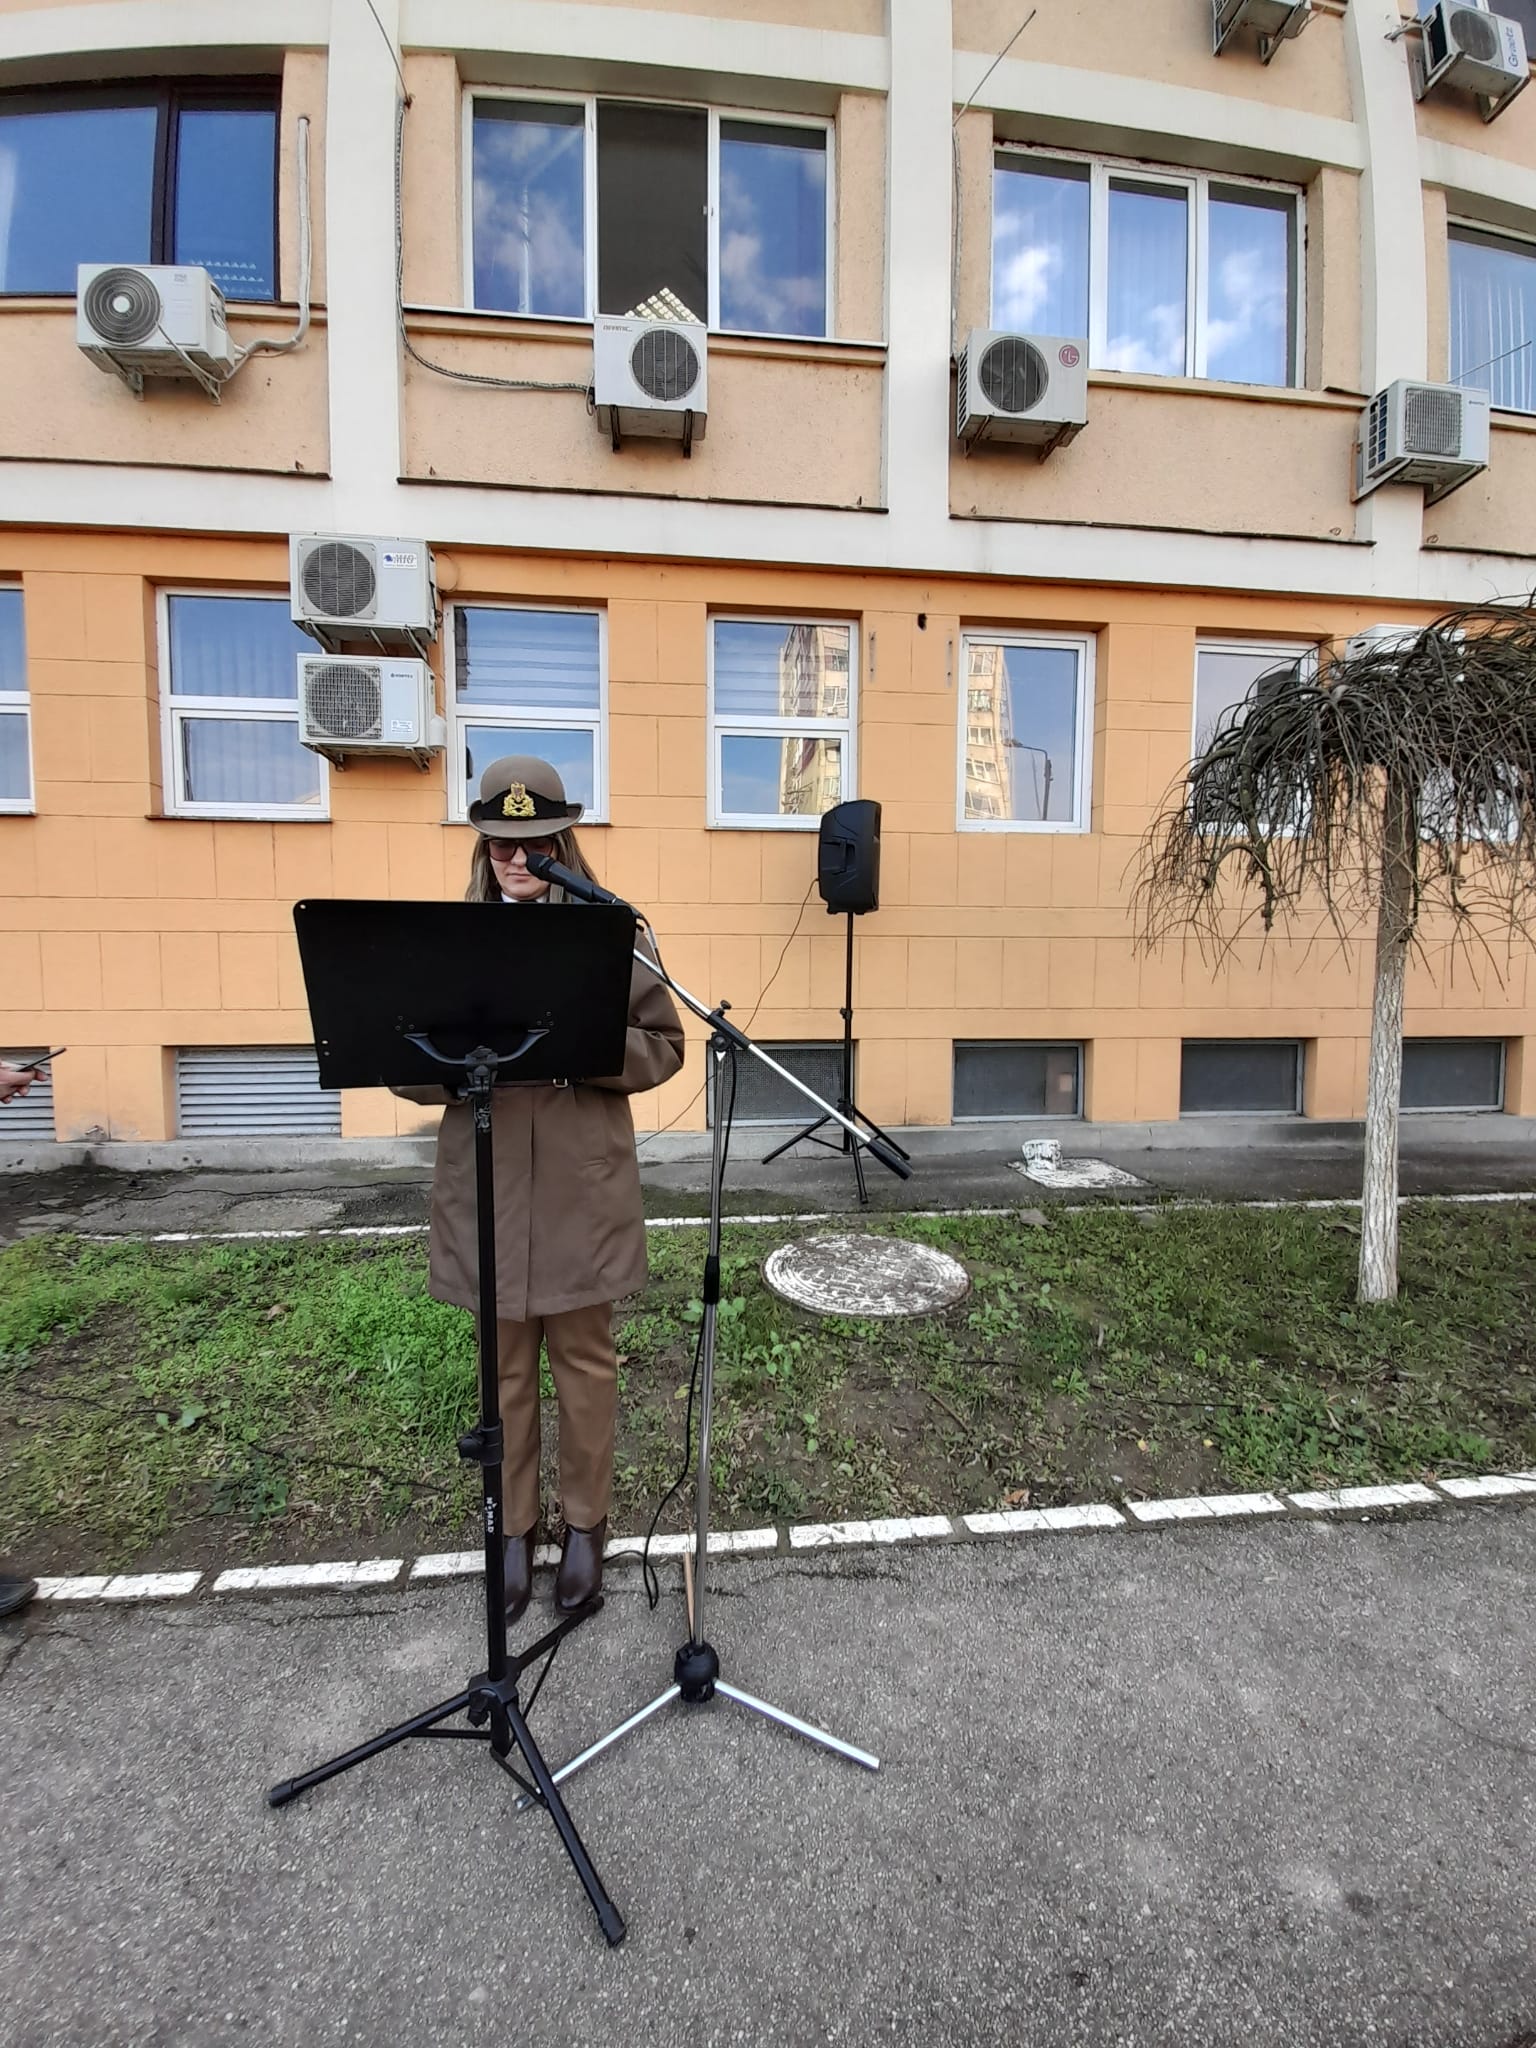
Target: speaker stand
[846, 1106]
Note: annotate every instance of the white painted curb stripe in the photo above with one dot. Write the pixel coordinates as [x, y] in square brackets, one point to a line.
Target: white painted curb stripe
[891, 1529]
[277, 1578]
[449, 1564]
[1201, 1507]
[1346, 1497]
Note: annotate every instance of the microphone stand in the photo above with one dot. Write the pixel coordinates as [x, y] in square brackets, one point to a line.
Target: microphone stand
[696, 1667]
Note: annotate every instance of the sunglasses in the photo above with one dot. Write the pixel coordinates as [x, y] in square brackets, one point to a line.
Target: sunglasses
[503, 849]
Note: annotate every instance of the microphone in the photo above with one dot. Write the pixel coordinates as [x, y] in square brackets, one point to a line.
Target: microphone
[549, 870]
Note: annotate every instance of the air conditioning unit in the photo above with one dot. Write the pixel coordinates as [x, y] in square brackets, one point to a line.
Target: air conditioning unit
[143, 320]
[354, 704]
[1480, 52]
[1021, 387]
[1274, 20]
[651, 377]
[1430, 434]
[1378, 640]
[343, 587]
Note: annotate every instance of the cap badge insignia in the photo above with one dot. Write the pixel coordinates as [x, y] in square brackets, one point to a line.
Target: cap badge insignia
[517, 803]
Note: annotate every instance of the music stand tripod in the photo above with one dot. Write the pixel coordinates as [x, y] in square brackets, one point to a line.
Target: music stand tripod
[853, 1120]
[371, 969]
[696, 1667]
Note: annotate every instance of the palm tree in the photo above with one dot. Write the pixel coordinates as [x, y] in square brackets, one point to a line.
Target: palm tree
[1397, 779]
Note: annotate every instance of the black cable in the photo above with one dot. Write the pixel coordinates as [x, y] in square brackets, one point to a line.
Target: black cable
[652, 1584]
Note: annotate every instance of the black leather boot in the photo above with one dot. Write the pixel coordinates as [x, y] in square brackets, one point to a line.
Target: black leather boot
[517, 1565]
[580, 1577]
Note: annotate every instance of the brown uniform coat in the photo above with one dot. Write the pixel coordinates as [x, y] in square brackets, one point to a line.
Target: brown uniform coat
[570, 1229]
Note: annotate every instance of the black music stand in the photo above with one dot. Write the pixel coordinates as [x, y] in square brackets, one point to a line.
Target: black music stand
[464, 996]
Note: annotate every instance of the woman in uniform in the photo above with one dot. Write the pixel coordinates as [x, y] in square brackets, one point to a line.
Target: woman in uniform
[570, 1231]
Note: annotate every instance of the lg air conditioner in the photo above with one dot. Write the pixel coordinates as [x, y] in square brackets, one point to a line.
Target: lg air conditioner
[1274, 20]
[351, 704]
[651, 377]
[1477, 51]
[1430, 434]
[346, 587]
[1021, 387]
[143, 320]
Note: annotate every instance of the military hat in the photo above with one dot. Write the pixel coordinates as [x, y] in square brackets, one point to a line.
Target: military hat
[522, 797]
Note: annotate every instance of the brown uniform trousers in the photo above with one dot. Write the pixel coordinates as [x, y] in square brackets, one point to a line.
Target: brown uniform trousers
[586, 1376]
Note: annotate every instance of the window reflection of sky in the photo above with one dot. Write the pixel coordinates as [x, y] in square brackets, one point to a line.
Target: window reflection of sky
[1247, 330]
[529, 187]
[527, 661]
[224, 217]
[756, 769]
[234, 647]
[569, 753]
[75, 187]
[773, 229]
[1040, 252]
[1040, 732]
[1148, 279]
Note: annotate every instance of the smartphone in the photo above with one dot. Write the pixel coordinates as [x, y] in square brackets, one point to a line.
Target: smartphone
[36, 1066]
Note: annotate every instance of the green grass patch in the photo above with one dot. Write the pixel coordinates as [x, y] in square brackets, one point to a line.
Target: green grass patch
[161, 1402]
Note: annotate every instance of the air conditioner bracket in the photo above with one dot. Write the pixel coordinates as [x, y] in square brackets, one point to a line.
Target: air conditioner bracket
[1491, 105]
[1062, 437]
[213, 387]
[1294, 23]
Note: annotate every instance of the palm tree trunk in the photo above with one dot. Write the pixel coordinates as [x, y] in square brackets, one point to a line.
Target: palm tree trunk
[1384, 1088]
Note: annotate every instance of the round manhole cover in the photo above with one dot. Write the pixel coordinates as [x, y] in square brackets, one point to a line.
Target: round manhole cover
[865, 1276]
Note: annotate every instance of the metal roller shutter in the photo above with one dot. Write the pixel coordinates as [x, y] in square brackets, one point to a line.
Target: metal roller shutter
[253, 1091]
[29, 1116]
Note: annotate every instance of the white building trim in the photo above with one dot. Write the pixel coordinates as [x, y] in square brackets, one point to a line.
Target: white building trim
[172, 501]
[650, 39]
[42, 32]
[1112, 110]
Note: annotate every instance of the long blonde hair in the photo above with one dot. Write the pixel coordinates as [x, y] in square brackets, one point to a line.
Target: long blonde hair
[483, 886]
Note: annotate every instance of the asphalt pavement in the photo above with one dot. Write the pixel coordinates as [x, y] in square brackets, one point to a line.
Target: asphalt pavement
[1264, 1785]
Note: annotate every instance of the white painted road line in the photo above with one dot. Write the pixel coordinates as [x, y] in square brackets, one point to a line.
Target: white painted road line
[73, 1589]
[278, 1578]
[1206, 1506]
[152, 1586]
[1346, 1497]
[1495, 1485]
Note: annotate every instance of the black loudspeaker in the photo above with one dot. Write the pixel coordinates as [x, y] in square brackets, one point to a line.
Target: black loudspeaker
[848, 856]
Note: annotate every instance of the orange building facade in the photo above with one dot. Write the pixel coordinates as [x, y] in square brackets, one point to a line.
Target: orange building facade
[829, 596]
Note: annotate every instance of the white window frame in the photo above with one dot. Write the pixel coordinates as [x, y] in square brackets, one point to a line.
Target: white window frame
[13, 701]
[177, 706]
[844, 729]
[1197, 184]
[1085, 646]
[597, 813]
[589, 102]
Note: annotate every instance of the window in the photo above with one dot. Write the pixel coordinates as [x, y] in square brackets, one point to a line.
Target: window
[29, 1118]
[1493, 317]
[139, 174]
[1453, 1073]
[1028, 770]
[1172, 273]
[1226, 670]
[1240, 1076]
[230, 709]
[763, 1098]
[530, 682]
[781, 720]
[253, 1091]
[579, 207]
[15, 713]
[1011, 1077]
